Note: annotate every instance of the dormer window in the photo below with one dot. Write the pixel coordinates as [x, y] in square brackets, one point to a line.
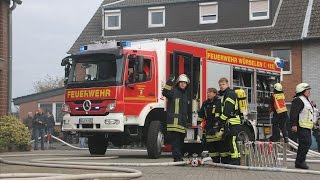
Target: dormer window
[156, 16]
[259, 9]
[112, 20]
[208, 12]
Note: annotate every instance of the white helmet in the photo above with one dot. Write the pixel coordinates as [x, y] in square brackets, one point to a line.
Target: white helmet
[183, 78]
[301, 87]
[277, 87]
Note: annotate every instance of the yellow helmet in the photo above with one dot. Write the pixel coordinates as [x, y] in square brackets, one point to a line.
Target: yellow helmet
[278, 87]
[183, 78]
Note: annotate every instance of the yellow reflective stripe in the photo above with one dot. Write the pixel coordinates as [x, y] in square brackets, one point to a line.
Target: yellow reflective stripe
[176, 106]
[217, 114]
[235, 120]
[231, 100]
[175, 121]
[176, 129]
[224, 154]
[167, 87]
[213, 154]
[235, 154]
[175, 126]
[223, 117]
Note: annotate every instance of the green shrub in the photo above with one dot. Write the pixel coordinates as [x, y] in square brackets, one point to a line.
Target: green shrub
[13, 132]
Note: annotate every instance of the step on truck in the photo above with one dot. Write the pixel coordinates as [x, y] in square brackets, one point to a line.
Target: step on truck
[114, 90]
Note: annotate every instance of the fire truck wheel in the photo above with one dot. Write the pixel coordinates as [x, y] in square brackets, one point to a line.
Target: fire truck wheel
[245, 134]
[155, 140]
[97, 145]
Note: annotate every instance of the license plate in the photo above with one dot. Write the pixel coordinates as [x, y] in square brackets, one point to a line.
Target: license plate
[86, 120]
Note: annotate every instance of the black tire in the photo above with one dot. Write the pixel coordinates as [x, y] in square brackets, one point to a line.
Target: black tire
[155, 140]
[97, 145]
[245, 134]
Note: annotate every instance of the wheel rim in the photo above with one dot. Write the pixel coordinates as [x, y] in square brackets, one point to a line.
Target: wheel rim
[243, 136]
[160, 141]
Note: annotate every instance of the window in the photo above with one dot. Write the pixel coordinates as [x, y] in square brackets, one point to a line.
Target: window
[55, 109]
[135, 76]
[156, 17]
[112, 20]
[259, 9]
[246, 50]
[285, 55]
[208, 12]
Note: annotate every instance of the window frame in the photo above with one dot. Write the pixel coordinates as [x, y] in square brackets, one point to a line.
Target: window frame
[108, 13]
[155, 10]
[201, 21]
[251, 18]
[53, 110]
[290, 60]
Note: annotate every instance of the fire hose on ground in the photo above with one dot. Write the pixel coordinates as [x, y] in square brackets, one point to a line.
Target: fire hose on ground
[125, 172]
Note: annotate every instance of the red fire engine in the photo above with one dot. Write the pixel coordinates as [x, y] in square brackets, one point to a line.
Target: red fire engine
[114, 90]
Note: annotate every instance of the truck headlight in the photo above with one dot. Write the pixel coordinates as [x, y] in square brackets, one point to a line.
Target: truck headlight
[66, 108]
[111, 106]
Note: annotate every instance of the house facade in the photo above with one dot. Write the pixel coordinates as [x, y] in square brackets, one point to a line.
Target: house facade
[4, 12]
[288, 29]
[51, 100]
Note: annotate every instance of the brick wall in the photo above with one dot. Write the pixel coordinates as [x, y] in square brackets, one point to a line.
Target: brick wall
[4, 57]
[311, 67]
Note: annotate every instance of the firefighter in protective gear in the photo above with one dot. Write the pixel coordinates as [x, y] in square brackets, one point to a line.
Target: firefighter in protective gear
[301, 118]
[230, 119]
[280, 115]
[213, 129]
[177, 112]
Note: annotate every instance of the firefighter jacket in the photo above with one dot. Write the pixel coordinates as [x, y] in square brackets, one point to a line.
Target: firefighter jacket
[207, 112]
[177, 109]
[278, 104]
[229, 107]
[302, 112]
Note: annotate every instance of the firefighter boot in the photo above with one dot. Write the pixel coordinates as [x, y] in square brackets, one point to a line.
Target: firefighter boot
[216, 159]
[225, 160]
[235, 161]
[301, 165]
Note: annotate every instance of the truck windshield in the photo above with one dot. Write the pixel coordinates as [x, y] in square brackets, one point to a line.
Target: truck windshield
[96, 70]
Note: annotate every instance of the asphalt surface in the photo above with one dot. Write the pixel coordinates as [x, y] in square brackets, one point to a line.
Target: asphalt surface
[154, 173]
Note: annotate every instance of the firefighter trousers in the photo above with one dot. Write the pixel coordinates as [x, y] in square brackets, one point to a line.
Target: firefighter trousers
[218, 152]
[177, 141]
[231, 143]
[304, 138]
[279, 122]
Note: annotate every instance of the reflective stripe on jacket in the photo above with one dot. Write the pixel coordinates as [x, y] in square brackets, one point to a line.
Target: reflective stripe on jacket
[177, 109]
[229, 107]
[279, 103]
[307, 114]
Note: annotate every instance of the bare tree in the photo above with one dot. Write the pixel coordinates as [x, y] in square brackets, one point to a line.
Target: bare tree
[48, 83]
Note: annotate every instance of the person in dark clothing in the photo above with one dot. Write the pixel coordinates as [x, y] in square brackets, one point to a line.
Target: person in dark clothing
[50, 125]
[230, 119]
[316, 127]
[28, 122]
[207, 112]
[280, 114]
[177, 113]
[302, 117]
[39, 126]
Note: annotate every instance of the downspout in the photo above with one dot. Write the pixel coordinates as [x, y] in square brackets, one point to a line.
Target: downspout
[14, 5]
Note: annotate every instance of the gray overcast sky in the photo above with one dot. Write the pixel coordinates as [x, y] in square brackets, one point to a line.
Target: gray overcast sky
[43, 31]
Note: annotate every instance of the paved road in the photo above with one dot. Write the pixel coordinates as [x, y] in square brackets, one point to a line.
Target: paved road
[154, 173]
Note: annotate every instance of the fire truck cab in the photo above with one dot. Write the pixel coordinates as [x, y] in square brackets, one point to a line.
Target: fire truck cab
[114, 90]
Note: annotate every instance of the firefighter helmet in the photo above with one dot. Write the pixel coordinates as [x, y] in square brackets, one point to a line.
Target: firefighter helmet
[278, 87]
[302, 87]
[183, 78]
